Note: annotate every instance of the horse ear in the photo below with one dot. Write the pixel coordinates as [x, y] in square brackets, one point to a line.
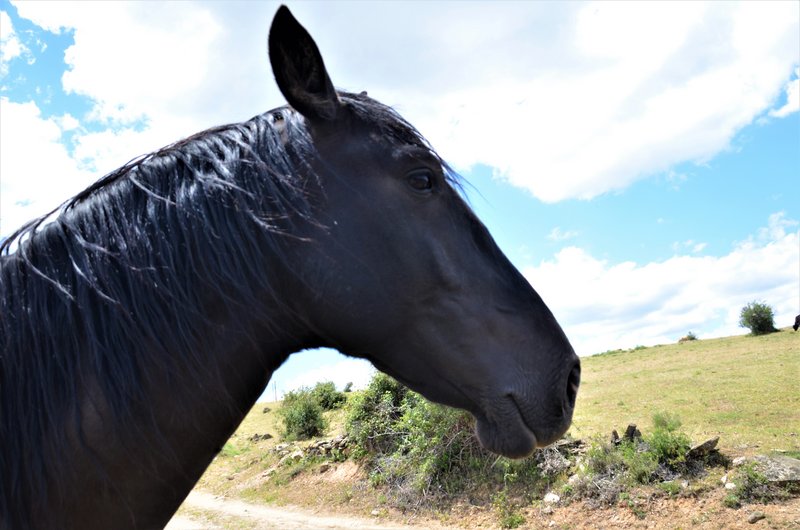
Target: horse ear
[299, 69]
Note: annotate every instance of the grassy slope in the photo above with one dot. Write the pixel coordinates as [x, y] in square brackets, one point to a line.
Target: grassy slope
[744, 389]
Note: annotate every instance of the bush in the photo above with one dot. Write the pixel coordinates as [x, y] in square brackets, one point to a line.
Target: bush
[758, 318]
[371, 415]
[667, 444]
[326, 395]
[301, 415]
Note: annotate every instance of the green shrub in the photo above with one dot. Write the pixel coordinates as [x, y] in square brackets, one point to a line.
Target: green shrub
[758, 318]
[667, 444]
[327, 396]
[301, 415]
[371, 416]
[506, 510]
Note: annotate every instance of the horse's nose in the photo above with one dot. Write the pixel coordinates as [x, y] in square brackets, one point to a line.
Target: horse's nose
[573, 382]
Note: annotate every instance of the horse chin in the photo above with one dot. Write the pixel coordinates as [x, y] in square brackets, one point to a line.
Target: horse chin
[513, 439]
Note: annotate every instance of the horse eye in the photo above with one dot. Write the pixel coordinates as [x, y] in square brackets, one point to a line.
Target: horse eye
[421, 180]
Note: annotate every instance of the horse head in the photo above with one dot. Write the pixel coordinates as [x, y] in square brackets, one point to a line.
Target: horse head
[397, 268]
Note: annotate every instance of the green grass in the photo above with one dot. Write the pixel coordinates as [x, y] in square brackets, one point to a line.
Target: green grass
[739, 388]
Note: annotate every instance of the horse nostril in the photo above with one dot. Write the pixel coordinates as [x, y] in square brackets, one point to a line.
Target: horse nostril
[573, 382]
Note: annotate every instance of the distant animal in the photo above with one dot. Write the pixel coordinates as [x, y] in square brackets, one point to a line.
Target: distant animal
[796, 323]
[141, 324]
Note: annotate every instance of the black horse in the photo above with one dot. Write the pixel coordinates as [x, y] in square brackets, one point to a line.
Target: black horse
[796, 323]
[139, 327]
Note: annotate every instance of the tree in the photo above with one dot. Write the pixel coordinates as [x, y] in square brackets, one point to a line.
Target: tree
[301, 415]
[758, 318]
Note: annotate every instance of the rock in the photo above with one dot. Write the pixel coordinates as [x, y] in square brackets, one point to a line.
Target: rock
[724, 478]
[738, 461]
[296, 456]
[701, 450]
[551, 498]
[375, 513]
[730, 486]
[632, 433]
[780, 470]
[573, 479]
[268, 473]
[615, 437]
[324, 467]
[260, 437]
[685, 484]
[266, 409]
[756, 517]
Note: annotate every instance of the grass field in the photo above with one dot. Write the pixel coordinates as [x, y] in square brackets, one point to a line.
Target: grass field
[745, 389]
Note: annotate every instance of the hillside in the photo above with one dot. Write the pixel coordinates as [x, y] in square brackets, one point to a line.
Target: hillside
[742, 389]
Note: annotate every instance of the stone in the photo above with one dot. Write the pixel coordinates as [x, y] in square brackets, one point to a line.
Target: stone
[632, 433]
[551, 498]
[265, 410]
[701, 450]
[297, 455]
[615, 437]
[375, 513]
[756, 517]
[324, 467]
[780, 470]
[738, 461]
[730, 485]
[724, 478]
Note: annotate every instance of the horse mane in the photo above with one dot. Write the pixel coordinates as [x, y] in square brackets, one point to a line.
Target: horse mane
[85, 296]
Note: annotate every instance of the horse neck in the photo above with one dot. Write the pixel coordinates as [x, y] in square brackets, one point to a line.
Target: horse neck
[135, 470]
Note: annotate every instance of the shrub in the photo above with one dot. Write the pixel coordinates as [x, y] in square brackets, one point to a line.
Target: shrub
[667, 444]
[326, 395]
[372, 414]
[758, 318]
[301, 415]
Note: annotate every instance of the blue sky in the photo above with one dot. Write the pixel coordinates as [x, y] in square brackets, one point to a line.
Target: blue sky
[638, 162]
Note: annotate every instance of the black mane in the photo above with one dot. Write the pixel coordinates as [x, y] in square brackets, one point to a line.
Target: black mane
[112, 286]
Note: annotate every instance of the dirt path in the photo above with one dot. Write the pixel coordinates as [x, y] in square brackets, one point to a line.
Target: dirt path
[203, 511]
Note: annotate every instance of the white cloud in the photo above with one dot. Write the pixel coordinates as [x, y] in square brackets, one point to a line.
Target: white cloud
[10, 45]
[604, 306]
[185, 65]
[635, 89]
[689, 244]
[556, 234]
[37, 172]
[792, 98]
[566, 100]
